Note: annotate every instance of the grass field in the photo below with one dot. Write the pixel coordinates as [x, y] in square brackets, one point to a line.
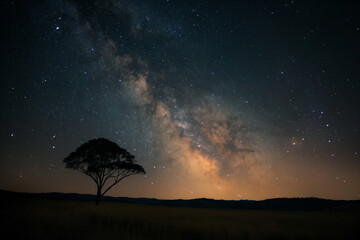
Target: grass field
[35, 218]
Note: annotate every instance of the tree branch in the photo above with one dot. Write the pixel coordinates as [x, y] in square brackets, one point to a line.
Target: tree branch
[116, 182]
[88, 174]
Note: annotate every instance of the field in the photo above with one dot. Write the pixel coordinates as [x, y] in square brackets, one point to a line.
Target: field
[38, 218]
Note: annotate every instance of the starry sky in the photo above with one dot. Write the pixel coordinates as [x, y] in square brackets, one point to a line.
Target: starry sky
[216, 99]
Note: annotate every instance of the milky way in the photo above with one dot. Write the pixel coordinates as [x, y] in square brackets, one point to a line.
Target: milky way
[221, 100]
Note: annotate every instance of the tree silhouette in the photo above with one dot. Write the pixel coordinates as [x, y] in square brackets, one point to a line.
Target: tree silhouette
[103, 160]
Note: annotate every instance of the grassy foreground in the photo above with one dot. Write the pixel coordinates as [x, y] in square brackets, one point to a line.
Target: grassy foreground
[36, 218]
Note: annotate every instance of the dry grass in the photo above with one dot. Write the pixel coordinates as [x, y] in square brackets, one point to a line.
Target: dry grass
[58, 219]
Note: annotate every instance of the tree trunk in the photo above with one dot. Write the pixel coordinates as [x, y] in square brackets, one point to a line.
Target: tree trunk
[98, 195]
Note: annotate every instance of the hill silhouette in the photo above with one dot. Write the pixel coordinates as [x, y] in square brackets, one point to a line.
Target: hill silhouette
[295, 204]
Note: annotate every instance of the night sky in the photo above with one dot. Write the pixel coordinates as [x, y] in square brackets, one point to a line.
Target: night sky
[216, 99]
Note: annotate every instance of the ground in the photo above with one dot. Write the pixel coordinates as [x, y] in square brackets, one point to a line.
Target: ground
[41, 218]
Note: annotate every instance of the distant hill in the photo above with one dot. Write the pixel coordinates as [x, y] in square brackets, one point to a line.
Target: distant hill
[296, 204]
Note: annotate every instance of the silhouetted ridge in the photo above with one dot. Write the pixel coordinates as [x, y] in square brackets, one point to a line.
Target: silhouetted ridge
[298, 204]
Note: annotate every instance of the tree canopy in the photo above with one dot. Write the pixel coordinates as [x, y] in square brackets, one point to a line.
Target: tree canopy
[103, 161]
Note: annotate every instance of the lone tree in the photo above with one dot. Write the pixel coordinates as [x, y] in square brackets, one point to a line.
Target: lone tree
[103, 160]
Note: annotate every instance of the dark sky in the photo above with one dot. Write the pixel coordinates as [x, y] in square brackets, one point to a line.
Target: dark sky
[217, 99]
